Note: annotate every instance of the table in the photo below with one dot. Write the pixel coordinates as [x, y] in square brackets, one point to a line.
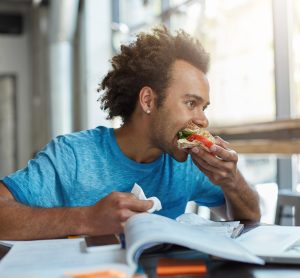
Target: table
[215, 268]
[225, 269]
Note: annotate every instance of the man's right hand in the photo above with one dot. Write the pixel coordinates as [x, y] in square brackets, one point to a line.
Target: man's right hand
[109, 214]
[21, 222]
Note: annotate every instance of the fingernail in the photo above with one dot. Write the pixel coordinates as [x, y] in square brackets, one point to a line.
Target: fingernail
[213, 148]
[195, 150]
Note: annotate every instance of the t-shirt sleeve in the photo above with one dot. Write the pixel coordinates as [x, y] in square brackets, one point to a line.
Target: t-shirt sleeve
[45, 180]
[204, 192]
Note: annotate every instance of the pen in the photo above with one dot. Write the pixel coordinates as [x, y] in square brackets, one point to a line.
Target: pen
[122, 240]
[237, 231]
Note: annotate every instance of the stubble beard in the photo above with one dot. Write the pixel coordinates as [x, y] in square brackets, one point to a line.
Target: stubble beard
[159, 137]
[159, 140]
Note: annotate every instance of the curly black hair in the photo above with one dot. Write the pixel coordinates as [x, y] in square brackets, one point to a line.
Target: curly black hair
[147, 62]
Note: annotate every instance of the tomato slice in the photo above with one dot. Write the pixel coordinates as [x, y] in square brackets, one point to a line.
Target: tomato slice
[206, 142]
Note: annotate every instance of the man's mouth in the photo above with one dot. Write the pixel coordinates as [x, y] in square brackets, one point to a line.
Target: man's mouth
[176, 138]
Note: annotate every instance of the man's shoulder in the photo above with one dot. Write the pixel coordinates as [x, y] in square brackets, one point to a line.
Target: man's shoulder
[90, 135]
[84, 141]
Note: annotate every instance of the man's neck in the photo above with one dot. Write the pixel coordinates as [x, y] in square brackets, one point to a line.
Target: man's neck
[134, 142]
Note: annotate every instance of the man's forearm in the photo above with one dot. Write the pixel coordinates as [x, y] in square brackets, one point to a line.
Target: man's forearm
[19, 222]
[242, 202]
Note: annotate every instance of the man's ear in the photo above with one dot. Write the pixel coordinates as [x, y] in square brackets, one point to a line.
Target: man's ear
[147, 99]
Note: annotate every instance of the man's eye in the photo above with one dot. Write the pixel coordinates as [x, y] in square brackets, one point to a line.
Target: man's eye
[191, 104]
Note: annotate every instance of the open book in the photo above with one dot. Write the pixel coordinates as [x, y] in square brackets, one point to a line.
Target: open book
[146, 230]
[141, 232]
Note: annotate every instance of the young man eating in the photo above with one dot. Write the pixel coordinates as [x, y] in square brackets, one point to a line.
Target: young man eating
[80, 183]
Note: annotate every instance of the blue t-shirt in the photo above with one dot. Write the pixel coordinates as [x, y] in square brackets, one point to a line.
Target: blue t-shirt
[81, 168]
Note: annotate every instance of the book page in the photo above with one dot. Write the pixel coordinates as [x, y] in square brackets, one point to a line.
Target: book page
[145, 230]
[226, 228]
[268, 241]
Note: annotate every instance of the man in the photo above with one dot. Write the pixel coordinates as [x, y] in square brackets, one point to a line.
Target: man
[80, 183]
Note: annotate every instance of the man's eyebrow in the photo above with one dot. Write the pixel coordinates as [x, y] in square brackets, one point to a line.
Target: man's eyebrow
[197, 97]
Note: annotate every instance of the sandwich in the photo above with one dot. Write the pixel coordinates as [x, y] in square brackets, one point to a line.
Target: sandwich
[193, 135]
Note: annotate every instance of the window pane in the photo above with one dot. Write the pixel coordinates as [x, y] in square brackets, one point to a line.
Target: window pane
[239, 37]
[187, 16]
[139, 12]
[258, 169]
[294, 11]
[134, 16]
[242, 73]
[295, 57]
[8, 124]
[298, 173]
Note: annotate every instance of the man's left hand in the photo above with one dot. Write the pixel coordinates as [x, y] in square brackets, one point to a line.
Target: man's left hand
[220, 165]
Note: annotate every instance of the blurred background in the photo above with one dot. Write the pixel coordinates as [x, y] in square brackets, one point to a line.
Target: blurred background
[53, 54]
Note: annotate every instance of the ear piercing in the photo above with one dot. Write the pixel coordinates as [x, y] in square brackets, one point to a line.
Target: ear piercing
[148, 111]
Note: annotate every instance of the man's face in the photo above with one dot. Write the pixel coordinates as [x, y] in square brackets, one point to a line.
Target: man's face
[186, 99]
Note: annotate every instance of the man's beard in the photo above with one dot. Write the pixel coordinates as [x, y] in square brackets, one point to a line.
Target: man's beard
[169, 148]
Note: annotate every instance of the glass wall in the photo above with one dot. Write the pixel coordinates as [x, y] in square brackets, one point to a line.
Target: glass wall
[298, 173]
[294, 11]
[294, 15]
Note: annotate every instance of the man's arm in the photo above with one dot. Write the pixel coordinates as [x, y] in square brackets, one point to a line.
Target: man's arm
[242, 202]
[233, 209]
[20, 222]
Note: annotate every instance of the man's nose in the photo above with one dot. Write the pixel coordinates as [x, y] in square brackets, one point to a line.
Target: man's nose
[201, 120]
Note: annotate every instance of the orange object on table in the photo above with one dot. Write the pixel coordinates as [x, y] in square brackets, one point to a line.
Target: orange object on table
[101, 274]
[174, 267]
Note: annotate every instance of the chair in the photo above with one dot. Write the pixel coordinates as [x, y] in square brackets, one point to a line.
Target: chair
[268, 195]
[291, 199]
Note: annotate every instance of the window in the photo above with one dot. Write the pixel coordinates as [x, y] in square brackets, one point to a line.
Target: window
[8, 124]
[242, 61]
[298, 173]
[295, 56]
[258, 169]
[138, 12]
[132, 17]
[294, 11]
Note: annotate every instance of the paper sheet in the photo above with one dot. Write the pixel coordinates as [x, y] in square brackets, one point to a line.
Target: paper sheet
[139, 193]
[272, 240]
[52, 258]
[220, 227]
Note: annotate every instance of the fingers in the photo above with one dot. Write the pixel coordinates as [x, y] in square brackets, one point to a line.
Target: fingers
[206, 164]
[124, 214]
[224, 154]
[223, 160]
[141, 205]
[221, 150]
[204, 169]
[222, 142]
[130, 202]
[220, 167]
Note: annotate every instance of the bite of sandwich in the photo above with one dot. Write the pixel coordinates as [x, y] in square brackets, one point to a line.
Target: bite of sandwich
[193, 135]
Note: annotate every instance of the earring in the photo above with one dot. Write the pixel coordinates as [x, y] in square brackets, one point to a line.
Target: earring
[148, 111]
